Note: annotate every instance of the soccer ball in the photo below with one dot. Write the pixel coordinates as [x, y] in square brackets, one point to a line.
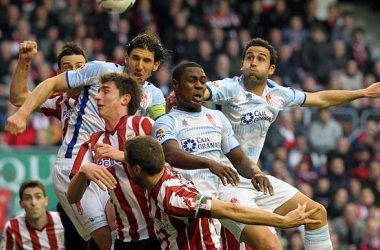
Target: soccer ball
[118, 6]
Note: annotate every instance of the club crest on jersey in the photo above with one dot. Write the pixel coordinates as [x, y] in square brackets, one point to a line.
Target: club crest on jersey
[215, 84]
[144, 101]
[160, 134]
[248, 97]
[210, 119]
[254, 117]
[268, 99]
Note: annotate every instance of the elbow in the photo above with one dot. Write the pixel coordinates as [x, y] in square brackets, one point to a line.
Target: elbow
[18, 102]
[71, 199]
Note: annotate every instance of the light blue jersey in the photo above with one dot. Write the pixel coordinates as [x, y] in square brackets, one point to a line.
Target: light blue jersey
[207, 133]
[85, 119]
[249, 114]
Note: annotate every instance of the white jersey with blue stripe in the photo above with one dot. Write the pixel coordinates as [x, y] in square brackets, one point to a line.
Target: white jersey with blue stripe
[249, 114]
[85, 119]
[207, 133]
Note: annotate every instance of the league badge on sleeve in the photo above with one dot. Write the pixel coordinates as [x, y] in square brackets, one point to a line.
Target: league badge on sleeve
[159, 134]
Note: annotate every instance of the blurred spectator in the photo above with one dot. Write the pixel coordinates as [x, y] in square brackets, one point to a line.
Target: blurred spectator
[367, 199]
[371, 239]
[187, 49]
[322, 192]
[354, 190]
[338, 204]
[255, 19]
[340, 55]
[324, 132]
[299, 153]
[336, 172]
[316, 52]
[348, 227]
[287, 66]
[162, 80]
[222, 68]
[345, 31]
[295, 241]
[360, 166]
[206, 59]
[143, 15]
[295, 34]
[225, 18]
[352, 77]
[279, 17]
[342, 151]
[233, 53]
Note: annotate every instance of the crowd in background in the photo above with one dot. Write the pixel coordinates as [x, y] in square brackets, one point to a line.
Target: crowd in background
[334, 161]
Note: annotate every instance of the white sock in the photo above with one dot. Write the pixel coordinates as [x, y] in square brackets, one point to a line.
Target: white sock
[113, 236]
[318, 239]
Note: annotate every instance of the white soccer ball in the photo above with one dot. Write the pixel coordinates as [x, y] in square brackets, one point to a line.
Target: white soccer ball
[118, 6]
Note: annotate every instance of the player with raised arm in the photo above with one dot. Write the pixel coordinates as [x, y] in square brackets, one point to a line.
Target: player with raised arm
[59, 105]
[118, 99]
[251, 103]
[37, 228]
[181, 213]
[144, 56]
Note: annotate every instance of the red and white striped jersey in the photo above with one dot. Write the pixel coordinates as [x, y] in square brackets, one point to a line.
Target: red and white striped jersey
[18, 234]
[132, 213]
[181, 214]
[61, 106]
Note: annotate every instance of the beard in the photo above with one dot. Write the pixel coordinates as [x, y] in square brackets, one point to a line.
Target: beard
[253, 80]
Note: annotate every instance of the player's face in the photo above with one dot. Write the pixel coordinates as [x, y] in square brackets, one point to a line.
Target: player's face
[110, 104]
[190, 90]
[34, 203]
[256, 65]
[71, 62]
[140, 64]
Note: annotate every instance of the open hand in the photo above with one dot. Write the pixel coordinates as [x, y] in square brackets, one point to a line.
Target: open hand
[299, 216]
[225, 173]
[262, 184]
[99, 175]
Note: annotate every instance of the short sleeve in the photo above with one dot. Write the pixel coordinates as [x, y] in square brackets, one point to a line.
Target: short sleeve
[223, 90]
[293, 97]
[85, 75]
[164, 129]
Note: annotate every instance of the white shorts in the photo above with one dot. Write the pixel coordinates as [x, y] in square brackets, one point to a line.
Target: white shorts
[245, 194]
[87, 216]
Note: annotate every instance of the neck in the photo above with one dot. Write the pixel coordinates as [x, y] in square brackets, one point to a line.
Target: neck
[38, 223]
[188, 108]
[253, 87]
[111, 122]
[150, 181]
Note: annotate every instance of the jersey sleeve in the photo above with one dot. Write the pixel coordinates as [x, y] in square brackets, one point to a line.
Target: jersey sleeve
[8, 241]
[157, 107]
[293, 97]
[224, 90]
[188, 202]
[164, 129]
[84, 156]
[84, 75]
[229, 142]
[50, 107]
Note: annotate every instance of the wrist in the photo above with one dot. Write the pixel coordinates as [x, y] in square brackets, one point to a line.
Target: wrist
[24, 61]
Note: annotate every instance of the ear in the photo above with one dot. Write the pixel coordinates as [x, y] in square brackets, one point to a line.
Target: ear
[59, 71]
[175, 84]
[156, 65]
[271, 70]
[46, 201]
[126, 99]
[21, 203]
[241, 65]
[137, 170]
[126, 59]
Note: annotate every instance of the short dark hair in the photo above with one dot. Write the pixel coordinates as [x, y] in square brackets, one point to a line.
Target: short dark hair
[31, 184]
[150, 41]
[146, 152]
[126, 85]
[70, 49]
[180, 68]
[258, 42]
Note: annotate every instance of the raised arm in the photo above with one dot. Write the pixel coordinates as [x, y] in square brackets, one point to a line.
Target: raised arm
[16, 124]
[247, 168]
[257, 216]
[19, 90]
[328, 98]
[179, 158]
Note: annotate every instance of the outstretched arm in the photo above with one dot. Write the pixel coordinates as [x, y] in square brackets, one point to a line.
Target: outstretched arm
[16, 124]
[328, 98]
[19, 86]
[177, 157]
[257, 216]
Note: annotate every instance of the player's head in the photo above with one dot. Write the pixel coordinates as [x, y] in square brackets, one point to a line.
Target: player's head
[117, 93]
[189, 85]
[145, 55]
[258, 63]
[33, 198]
[144, 157]
[71, 57]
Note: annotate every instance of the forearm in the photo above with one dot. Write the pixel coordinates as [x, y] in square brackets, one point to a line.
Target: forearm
[19, 86]
[246, 167]
[42, 92]
[250, 215]
[328, 98]
[77, 187]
